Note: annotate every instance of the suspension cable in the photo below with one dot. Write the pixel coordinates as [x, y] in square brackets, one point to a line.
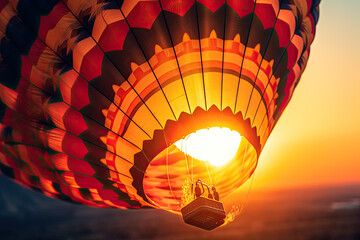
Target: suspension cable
[167, 168]
[208, 173]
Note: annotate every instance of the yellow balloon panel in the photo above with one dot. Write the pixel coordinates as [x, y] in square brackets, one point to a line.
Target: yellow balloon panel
[230, 85]
[195, 90]
[177, 97]
[213, 88]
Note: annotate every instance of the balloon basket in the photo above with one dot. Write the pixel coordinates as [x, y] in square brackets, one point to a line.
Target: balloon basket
[204, 213]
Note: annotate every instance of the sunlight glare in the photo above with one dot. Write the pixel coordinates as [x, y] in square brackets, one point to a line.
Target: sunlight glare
[215, 145]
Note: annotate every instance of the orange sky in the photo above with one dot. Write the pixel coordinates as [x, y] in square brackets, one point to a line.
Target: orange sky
[316, 141]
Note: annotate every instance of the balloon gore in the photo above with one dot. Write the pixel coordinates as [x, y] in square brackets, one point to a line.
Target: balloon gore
[103, 102]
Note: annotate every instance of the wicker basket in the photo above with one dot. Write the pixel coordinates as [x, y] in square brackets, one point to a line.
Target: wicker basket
[204, 213]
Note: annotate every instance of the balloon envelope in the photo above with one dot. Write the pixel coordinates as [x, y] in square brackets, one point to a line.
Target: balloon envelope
[94, 94]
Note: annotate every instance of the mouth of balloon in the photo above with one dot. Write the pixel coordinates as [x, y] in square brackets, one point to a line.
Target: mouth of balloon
[218, 156]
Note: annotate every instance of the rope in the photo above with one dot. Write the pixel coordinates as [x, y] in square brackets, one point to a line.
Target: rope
[247, 195]
[192, 159]
[252, 179]
[167, 167]
[243, 161]
[209, 173]
[186, 160]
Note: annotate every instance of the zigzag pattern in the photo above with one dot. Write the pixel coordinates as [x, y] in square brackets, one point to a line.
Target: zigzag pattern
[85, 85]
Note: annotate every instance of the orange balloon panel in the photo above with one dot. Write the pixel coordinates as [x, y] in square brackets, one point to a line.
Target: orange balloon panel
[94, 94]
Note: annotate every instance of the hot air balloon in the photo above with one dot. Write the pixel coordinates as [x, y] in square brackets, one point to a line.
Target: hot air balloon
[125, 104]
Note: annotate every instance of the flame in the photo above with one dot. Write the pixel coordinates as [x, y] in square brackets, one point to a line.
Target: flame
[187, 195]
[234, 213]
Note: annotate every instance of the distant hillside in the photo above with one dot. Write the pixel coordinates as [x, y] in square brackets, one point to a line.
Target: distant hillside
[17, 200]
[328, 213]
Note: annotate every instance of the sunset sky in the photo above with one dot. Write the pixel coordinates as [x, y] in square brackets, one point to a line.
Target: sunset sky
[91, 122]
[316, 141]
